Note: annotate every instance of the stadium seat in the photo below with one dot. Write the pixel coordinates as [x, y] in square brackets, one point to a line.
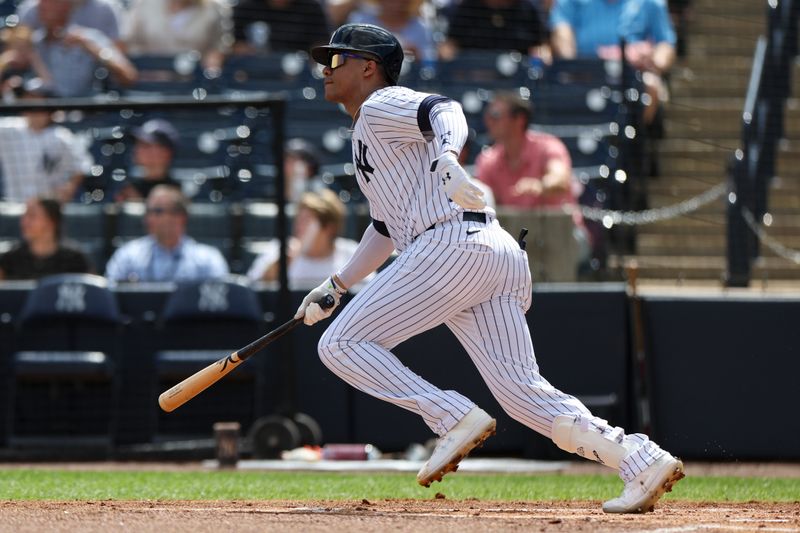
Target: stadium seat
[485, 68]
[212, 224]
[10, 213]
[323, 124]
[165, 74]
[277, 71]
[86, 225]
[200, 323]
[63, 380]
[128, 223]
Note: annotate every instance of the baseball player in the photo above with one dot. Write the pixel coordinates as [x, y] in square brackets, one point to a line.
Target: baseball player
[456, 266]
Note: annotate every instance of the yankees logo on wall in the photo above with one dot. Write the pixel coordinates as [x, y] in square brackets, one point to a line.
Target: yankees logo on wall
[362, 164]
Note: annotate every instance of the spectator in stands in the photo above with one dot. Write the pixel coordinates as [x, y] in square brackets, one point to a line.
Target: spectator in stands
[525, 168]
[36, 155]
[315, 246]
[278, 25]
[159, 27]
[166, 253]
[15, 51]
[153, 152]
[71, 40]
[42, 251]
[496, 25]
[301, 168]
[594, 28]
[402, 18]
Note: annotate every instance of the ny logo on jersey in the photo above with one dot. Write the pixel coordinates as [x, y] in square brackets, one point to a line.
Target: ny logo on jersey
[49, 162]
[362, 164]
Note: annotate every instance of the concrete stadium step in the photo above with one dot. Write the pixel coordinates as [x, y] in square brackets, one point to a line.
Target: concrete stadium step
[722, 44]
[721, 65]
[688, 245]
[686, 82]
[710, 268]
[676, 267]
[739, 7]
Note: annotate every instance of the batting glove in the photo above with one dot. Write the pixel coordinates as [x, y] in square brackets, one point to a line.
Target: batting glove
[457, 184]
[310, 311]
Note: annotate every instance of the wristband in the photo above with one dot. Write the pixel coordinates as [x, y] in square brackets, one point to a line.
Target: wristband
[338, 286]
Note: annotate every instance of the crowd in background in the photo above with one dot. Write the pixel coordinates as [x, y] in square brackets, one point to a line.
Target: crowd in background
[54, 48]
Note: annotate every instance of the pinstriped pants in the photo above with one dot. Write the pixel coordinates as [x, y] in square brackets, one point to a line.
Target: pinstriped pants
[474, 278]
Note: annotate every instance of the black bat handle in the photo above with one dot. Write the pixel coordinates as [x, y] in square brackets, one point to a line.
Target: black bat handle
[326, 302]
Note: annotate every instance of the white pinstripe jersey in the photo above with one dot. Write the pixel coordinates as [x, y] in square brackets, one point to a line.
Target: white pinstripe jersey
[397, 134]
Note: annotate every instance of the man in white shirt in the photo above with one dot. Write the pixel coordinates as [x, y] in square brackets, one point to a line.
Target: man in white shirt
[37, 156]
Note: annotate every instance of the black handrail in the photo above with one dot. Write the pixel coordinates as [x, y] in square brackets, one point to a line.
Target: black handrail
[753, 165]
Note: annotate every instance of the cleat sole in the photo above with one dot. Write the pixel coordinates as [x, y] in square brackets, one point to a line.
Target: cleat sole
[452, 466]
[676, 475]
[648, 503]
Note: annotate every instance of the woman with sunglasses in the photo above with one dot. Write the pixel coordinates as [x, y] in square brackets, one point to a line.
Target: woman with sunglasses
[456, 266]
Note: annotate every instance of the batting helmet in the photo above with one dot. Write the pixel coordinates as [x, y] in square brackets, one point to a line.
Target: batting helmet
[368, 39]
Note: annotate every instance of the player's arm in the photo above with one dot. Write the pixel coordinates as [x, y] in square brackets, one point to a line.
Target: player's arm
[373, 250]
[447, 126]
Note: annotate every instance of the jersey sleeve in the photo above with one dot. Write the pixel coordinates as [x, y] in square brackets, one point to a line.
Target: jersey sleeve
[448, 126]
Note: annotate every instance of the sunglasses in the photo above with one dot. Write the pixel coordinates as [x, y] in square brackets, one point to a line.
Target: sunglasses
[163, 211]
[496, 115]
[338, 59]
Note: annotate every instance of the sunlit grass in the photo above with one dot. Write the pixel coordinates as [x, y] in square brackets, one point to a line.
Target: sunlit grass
[232, 485]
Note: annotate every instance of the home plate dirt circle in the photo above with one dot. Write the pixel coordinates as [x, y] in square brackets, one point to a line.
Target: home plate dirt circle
[436, 515]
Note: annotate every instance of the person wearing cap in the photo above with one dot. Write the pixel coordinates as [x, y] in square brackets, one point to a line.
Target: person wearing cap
[456, 266]
[154, 149]
[166, 253]
[301, 169]
[315, 248]
[37, 156]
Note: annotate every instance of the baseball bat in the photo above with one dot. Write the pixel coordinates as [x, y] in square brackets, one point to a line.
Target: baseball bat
[190, 387]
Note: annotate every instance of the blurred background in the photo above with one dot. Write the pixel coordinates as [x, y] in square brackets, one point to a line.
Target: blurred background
[664, 244]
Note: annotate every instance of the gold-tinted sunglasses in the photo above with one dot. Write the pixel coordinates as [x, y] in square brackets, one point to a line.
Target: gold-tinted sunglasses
[337, 59]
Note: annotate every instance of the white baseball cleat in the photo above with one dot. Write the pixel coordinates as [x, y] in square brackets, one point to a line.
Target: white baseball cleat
[470, 432]
[641, 494]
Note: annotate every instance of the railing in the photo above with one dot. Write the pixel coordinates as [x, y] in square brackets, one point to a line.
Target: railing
[753, 165]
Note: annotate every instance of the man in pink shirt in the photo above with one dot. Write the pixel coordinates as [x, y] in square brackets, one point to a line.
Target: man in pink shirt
[527, 169]
[524, 168]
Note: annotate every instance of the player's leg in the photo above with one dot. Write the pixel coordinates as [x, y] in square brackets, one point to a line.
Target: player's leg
[420, 290]
[495, 333]
[396, 305]
[496, 336]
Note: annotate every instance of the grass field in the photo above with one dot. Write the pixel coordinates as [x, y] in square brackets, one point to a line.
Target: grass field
[35, 484]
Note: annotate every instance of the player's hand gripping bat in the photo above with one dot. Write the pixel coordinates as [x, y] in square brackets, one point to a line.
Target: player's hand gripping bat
[201, 380]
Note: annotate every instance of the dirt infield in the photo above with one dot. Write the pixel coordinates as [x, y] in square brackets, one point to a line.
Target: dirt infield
[431, 516]
[438, 515]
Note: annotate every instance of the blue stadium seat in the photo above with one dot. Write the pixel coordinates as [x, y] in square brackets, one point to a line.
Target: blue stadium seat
[277, 71]
[212, 224]
[64, 380]
[10, 213]
[323, 124]
[86, 225]
[202, 322]
[165, 74]
[490, 69]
